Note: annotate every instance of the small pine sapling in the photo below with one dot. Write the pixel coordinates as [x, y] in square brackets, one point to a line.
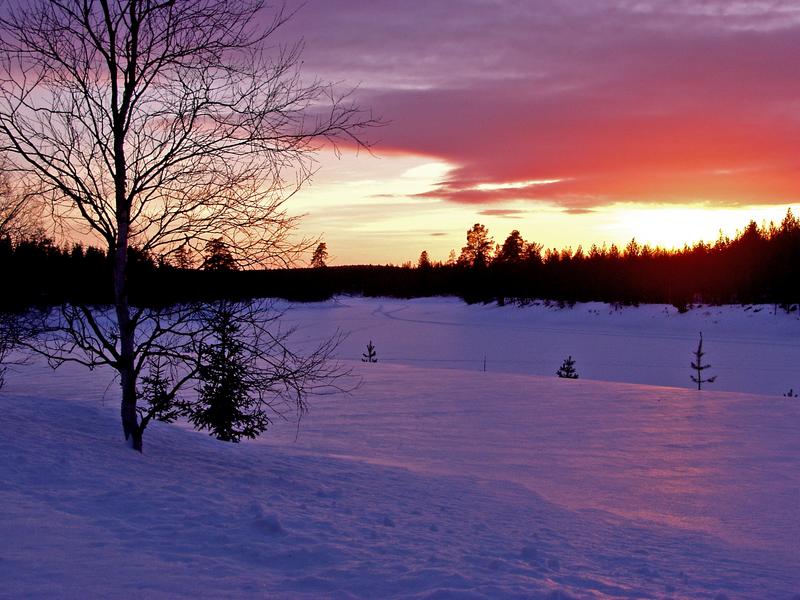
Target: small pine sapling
[370, 356]
[567, 369]
[697, 365]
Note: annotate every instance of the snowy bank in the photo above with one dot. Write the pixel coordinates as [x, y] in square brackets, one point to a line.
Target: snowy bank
[423, 483]
[430, 482]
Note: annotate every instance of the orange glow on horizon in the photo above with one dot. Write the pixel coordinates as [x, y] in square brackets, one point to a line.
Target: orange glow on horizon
[379, 210]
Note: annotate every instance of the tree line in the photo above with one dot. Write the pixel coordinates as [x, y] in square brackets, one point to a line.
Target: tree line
[758, 265]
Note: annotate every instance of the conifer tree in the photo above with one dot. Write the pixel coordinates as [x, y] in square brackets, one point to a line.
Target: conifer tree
[512, 252]
[567, 369]
[319, 259]
[218, 256]
[424, 261]
[370, 356]
[477, 252]
[697, 365]
[226, 405]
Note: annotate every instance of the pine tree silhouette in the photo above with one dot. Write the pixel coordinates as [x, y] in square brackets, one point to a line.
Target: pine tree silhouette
[228, 405]
[370, 356]
[567, 369]
[320, 257]
[697, 365]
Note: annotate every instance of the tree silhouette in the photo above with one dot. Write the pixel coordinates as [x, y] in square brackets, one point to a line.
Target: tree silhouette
[182, 258]
[217, 256]
[225, 404]
[157, 400]
[246, 376]
[512, 252]
[370, 356]
[320, 257]
[567, 369]
[478, 251]
[160, 125]
[697, 365]
[424, 261]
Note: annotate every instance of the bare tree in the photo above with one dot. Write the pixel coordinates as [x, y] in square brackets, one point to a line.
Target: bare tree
[160, 124]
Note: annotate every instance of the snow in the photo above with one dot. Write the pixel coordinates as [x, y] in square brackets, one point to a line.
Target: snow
[433, 479]
[750, 348]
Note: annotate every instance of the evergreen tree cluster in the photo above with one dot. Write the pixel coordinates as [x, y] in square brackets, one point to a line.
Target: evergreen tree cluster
[37, 271]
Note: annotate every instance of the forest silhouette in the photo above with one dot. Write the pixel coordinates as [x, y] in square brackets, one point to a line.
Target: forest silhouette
[758, 265]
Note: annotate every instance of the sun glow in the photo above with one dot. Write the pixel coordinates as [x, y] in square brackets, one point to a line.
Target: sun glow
[377, 210]
[674, 226]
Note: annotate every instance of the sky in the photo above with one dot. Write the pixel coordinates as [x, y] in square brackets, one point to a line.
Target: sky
[573, 122]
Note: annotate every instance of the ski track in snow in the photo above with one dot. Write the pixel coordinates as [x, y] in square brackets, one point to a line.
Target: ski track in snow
[424, 482]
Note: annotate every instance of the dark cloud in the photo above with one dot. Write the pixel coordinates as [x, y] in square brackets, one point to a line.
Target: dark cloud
[660, 101]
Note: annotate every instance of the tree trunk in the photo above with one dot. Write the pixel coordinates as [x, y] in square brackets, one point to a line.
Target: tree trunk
[127, 328]
[130, 421]
[125, 365]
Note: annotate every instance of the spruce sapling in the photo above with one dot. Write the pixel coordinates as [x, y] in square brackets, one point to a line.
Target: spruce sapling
[567, 369]
[370, 356]
[697, 365]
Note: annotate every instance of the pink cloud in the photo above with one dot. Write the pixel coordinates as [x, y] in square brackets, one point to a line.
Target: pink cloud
[668, 101]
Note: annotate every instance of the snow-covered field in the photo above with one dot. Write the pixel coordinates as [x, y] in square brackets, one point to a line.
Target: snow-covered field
[750, 348]
[434, 479]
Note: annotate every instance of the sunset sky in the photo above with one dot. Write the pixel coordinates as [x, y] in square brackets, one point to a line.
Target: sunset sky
[574, 122]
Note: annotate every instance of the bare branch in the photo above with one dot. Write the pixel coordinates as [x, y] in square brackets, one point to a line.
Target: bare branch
[160, 125]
